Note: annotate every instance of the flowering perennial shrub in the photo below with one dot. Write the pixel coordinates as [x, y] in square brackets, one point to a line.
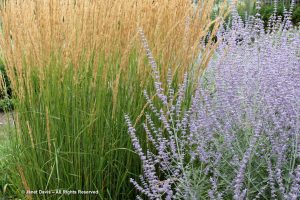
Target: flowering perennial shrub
[240, 137]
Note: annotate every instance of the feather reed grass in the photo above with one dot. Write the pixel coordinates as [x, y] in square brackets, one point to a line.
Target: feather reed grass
[75, 68]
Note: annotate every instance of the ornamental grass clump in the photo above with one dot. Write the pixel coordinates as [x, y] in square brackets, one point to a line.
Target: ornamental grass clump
[76, 66]
[239, 139]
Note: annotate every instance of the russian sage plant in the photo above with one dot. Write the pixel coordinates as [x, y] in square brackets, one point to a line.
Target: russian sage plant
[240, 137]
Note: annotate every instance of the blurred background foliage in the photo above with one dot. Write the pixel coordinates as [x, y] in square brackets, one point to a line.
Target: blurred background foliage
[6, 102]
[247, 7]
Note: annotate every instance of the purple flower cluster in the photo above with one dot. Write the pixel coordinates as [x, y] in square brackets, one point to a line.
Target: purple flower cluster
[248, 107]
[240, 137]
[169, 142]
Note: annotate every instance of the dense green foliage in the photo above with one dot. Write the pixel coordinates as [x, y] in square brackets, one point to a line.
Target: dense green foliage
[268, 9]
[6, 103]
